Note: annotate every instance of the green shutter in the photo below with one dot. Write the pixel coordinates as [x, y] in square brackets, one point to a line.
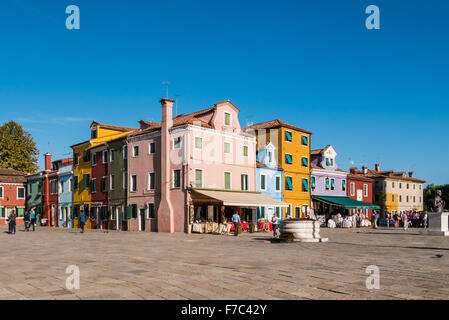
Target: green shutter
[130, 211]
[313, 182]
[305, 141]
[332, 183]
[227, 180]
[328, 162]
[305, 185]
[327, 184]
[288, 136]
[2, 212]
[305, 162]
[288, 159]
[289, 183]
[343, 183]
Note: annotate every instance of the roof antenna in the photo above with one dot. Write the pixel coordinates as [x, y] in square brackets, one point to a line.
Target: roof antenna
[176, 110]
[48, 147]
[166, 83]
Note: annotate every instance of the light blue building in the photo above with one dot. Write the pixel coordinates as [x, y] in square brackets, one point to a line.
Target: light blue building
[269, 181]
[65, 192]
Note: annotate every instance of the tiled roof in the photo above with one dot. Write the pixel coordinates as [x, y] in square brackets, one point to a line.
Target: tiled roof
[359, 176]
[275, 124]
[261, 165]
[112, 127]
[12, 176]
[392, 175]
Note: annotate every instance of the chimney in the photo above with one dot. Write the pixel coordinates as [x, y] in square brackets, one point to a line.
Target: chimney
[165, 211]
[365, 169]
[47, 161]
[377, 167]
[410, 174]
[353, 170]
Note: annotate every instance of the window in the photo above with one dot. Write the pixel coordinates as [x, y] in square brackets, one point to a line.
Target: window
[414, 199]
[29, 188]
[152, 148]
[245, 151]
[93, 185]
[227, 119]
[328, 162]
[111, 155]
[61, 187]
[288, 136]
[86, 156]
[332, 184]
[288, 159]
[177, 143]
[71, 185]
[199, 178]
[262, 212]
[135, 151]
[278, 183]
[227, 147]
[133, 183]
[94, 134]
[152, 181]
[105, 157]
[327, 184]
[305, 185]
[420, 187]
[297, 212]
[132, 211]
[112, 181]
[407, 185]
[151, 211]
[407, 199]
[400, 198]
[385, 197]
[86, 180]
[313, 183]
[400, 185]
[305, 162]
[76, 159]
[198, 143]
[288, 183]
[20, 193]
[75, 183]
[94, 159]
[125, 180]
[343, 185]
[244, 180]
[352, 188]
[227, 180]
[414, 186]
[177, 179]
[270, 156]
[392, 198]
[365, 190]
[278, 212]
[392, 185]
[125, 152]
[304, 140]
[263, 182]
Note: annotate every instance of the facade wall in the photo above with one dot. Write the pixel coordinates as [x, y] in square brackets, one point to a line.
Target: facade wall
[65, 197]
[394, 196]
[34, 195]
[117, 198]
[357, 192]
[320, 181]
[11, 201]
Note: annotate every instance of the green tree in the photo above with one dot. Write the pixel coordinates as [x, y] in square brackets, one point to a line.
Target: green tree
[17, 148]
[429, 195]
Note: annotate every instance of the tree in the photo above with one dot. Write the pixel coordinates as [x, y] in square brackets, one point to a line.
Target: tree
[17, 148]
[429, 195]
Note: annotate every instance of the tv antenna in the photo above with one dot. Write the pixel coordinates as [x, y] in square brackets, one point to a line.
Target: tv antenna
[166, 83]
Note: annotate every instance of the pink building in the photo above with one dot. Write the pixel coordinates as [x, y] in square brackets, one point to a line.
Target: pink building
[195, 167]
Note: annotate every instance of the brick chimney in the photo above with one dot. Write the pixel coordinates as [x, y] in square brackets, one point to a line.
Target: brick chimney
[47, 162]
[410, 174]
[365, 169]
[353, 170]
[377, 167]
[165, 215]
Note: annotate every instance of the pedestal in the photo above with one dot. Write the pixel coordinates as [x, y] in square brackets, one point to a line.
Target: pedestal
[438, 224]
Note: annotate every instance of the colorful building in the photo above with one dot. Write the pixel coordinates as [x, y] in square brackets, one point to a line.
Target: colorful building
[360, 188]
[34, 194]
[49, 194]
[101, 183]
[293, 156]
[12, 195]
[397, 192]
[64, 169]
[269, 181]
[82, 166]
[192, 169]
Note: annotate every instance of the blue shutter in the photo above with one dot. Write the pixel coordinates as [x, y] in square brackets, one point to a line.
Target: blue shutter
[313, 182]
[305, 141]
[305, 162]
[288, 136]
[328, 163]
[305, 185]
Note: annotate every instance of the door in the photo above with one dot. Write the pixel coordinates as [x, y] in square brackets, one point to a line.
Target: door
[270, 214]
[142, 219]
[359, 195]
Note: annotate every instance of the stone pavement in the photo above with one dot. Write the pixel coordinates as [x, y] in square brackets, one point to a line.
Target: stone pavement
[124, 265]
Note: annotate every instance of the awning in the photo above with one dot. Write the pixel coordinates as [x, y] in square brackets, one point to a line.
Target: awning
[235, 198]
[345, 202]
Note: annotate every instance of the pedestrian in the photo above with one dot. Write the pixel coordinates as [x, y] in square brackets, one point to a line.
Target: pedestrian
[12, 222]
[26, 220]
[404, 220]
[274, 221]
[32, 219]
[425, 220]
[82, 220]
[236, 220]
[387, 217]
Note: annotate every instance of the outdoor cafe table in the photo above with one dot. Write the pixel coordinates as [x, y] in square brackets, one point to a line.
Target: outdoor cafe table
[265, 226]
[244, 226]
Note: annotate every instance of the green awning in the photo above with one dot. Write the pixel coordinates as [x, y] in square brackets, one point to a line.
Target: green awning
[346, 202]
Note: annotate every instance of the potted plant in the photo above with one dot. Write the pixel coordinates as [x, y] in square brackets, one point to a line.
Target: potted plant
[251, 227]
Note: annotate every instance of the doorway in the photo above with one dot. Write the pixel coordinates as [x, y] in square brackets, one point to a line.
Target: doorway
[142, 220]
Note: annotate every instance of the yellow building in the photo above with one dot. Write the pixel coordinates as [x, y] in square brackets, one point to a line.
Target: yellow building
[82, 166]
[293, 154]
[396, 192]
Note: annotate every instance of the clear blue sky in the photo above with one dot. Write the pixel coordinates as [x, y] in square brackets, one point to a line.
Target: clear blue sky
[378, 96]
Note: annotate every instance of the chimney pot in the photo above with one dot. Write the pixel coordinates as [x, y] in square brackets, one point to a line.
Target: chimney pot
[353, 170]
[377, 166]
[365, 169]
[410, 174]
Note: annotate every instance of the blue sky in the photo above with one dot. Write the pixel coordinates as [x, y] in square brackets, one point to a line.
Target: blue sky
[378, 96]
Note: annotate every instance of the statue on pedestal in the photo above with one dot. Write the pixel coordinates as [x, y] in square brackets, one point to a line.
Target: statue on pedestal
[438, 202]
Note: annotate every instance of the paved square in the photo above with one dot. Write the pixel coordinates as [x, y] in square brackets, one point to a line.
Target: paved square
[125, 265]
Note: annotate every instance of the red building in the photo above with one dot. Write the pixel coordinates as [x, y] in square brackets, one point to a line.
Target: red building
[12, 194]
[100, 185]
[50, 194]
[360, 188]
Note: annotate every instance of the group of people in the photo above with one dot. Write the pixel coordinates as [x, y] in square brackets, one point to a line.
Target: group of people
[29, 220]
[403, 219]
[236, 221]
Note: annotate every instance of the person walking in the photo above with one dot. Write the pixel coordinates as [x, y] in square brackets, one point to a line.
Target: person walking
[12, 222]
[425, 220]
[274, 221]
[82, 220]
[26, 220]
[387, 217]
[32, 219]
[404, 220]
[236, 220]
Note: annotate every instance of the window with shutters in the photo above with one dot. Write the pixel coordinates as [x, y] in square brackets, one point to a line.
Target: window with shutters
[244, 181]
